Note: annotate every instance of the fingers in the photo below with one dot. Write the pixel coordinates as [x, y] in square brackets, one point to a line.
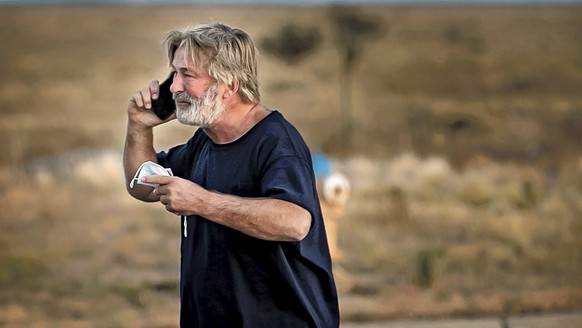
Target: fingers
[143, 98]
[157, 179]
[154, 89]
[173, 192]
[165, 200]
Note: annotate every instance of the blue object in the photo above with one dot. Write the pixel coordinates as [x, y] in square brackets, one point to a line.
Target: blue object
[321, 165]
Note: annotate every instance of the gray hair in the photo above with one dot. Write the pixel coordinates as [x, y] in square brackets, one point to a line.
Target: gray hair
[228, 53]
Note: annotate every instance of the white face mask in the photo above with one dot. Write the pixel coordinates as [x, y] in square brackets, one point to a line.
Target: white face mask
[149, 168]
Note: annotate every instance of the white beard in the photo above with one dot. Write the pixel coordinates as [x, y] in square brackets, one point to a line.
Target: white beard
[203, 111]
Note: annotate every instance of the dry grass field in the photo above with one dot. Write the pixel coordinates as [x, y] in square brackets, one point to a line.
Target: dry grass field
[465, 160]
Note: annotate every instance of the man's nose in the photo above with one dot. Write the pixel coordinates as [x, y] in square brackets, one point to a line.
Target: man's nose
[177, 85]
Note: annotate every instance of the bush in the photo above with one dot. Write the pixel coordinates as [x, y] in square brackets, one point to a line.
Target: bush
[292, 43]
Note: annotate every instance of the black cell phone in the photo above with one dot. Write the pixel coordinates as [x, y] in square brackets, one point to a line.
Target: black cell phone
[164, 106]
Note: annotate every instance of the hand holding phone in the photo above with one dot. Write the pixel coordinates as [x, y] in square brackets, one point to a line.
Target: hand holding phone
[164, 106]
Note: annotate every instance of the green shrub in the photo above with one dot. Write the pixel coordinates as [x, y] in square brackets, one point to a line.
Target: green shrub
[425, 268]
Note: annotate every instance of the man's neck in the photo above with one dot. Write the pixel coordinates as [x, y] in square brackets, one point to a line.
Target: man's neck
[236, 122]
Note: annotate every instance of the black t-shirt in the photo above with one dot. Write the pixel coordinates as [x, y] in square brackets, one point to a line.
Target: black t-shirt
[230, 279]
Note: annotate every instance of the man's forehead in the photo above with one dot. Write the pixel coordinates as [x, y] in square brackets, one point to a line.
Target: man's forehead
[180, 59]
[183, 59]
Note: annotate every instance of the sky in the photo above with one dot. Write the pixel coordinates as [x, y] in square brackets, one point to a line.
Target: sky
[296, 2]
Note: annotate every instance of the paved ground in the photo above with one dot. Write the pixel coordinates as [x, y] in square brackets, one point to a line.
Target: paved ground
[565, 320]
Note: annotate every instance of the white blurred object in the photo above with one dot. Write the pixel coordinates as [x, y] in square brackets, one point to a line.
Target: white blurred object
[149, 168]
[336, 189]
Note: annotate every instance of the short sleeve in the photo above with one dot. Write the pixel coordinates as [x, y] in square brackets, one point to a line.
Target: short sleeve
[289, 178]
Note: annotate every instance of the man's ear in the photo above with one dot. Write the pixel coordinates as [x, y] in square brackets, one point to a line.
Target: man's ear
[231, 89]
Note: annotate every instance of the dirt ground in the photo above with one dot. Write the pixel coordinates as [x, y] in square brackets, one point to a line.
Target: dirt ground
[570, 320]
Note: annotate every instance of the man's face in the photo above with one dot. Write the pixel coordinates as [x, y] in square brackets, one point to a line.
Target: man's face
[195, 93]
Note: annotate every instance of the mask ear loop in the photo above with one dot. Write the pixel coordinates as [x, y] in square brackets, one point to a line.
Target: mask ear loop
[131, 183]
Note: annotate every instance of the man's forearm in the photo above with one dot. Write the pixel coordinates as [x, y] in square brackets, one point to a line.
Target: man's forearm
[138, 149]
[264, 218]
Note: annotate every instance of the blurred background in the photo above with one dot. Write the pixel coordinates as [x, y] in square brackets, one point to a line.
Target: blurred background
[457, 124]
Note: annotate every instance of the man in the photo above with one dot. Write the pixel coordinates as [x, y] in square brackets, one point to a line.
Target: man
[254, 251]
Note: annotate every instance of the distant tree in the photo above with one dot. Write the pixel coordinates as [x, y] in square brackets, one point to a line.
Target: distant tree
[351, 28]
[292, 43]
